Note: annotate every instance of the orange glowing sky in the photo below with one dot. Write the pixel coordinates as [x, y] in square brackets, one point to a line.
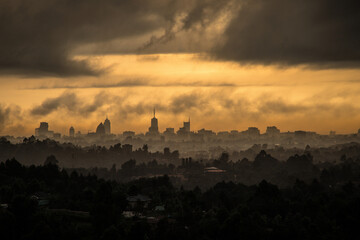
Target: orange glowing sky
[216, 95]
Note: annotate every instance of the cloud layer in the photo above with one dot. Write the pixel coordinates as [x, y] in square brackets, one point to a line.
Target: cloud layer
[40, 37]
[321, 32]
[211, 109]
[72, 104]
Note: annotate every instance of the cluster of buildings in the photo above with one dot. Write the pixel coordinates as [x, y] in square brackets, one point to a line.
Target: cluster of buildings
[103, 131]
[43, 131]
[154, 129]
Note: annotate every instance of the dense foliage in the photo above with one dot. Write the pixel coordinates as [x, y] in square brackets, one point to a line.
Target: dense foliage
[85, 207]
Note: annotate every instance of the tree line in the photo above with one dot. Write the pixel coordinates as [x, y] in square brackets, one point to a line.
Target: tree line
[87, 207]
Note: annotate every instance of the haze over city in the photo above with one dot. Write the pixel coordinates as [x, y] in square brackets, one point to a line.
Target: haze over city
[179, 119]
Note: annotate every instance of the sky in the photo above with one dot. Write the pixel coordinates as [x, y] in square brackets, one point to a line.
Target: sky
[226, 64]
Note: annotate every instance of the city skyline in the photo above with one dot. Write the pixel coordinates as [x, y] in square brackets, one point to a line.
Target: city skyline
[304, 107]
[217, 62]
[153, 131]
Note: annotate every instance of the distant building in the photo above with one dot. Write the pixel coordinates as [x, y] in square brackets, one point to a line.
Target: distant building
[154, 128]
[44, 127]
[223, 134]
[300, 134]
[57, 135]
[107, 126]
[169, 131]
[43, 130]
[187, 126]
[100, 130]
[206, 133]
[253, 132]
[185, 129]
[272, 131]
[71, 132]
[128, 134]
[332, 133]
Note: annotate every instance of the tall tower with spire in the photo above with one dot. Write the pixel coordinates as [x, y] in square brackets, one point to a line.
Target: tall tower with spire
[154, 128]
[107, 126]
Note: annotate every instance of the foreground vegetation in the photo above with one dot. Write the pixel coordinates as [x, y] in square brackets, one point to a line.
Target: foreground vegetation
[85, 207]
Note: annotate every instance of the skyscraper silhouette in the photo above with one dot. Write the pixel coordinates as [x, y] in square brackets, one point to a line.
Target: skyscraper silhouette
[100, 130]
[71, 132]
[154, 128]
[185, 129]
[107, 126]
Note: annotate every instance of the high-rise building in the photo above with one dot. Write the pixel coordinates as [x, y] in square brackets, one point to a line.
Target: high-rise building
[185, 129]
[100, 130]
[154, 128]
[187, 126]
[43, 130]
[71, 132]
[107, 126]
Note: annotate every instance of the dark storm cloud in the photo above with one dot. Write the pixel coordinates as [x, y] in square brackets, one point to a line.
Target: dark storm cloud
[38, 36]
[139, 108]
[324, 33]
[279, 106]
[100, 100]
[139, 83]
[187, 102]
[178, 104]
[70, 102]
[66, 100]
[198, 13]
[122, 83]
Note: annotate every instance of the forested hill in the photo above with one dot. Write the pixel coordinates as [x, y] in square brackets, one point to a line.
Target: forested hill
[33, 151]
[42, 202]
